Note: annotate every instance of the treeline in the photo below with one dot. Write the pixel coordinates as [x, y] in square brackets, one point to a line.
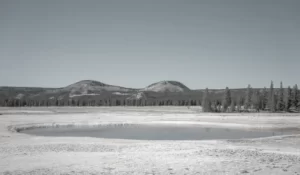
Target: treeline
[279, 100]
[93, 102]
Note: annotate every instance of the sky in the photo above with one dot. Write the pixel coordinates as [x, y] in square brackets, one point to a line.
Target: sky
[134, 43]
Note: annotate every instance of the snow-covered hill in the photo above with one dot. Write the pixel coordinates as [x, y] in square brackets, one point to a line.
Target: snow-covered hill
[167, 86]
[87, 87]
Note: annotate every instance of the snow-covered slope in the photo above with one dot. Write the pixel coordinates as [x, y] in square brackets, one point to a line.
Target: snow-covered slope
[19, 96]
[167, 86]
[137, 96]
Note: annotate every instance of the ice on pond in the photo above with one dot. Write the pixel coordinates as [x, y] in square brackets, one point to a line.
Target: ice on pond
[153, 132]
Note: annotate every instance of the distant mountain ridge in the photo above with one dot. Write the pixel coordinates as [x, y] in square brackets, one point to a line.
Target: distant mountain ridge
[90, 90]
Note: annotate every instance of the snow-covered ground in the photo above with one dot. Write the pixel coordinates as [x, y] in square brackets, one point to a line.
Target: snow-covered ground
[26, 154]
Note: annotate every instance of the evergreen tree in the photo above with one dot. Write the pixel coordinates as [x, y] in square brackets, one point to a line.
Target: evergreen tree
[295, 97]
[271, 98]
[206, 104]
[218, 105]
[280, 102]
[275, 100]
[264, 99]
[248, 100]
[56, 103]
[256, 100]
[232, 106]
[288, 99]
[226, 99]
[239, 104]
[214, 106]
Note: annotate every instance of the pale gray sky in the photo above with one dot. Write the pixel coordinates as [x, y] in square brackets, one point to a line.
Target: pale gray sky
[133, 43]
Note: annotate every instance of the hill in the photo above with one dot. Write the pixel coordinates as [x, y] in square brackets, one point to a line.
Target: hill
[167, 86]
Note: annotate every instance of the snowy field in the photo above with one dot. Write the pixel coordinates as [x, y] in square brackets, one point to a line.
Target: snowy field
[26, 154]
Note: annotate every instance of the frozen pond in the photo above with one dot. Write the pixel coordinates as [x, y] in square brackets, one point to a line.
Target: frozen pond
[153, 132]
